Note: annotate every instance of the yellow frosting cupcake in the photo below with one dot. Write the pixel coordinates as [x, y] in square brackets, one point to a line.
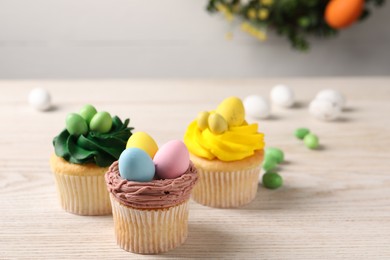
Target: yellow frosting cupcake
[228, 152]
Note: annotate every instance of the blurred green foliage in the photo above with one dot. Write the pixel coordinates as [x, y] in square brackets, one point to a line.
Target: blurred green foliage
[296, 20]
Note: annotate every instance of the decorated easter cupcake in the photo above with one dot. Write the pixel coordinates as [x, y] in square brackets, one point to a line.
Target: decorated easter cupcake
[84, 150]
[150, 189]
[228, 152]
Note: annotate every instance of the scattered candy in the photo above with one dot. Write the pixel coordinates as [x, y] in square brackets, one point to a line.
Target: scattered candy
[144, 142]
[136, 165]
[272, 180]
[332, 95]
[269, 163]
[273, 156]
[282, 95]
[202, 120]
[39, 99]
[300, 133]
[217, 123]
[76, 125]
[172, 160]
[324, 109]
[87, 112]
[311, 141]
[232, 109]
[257, 106]
[276, 153]
[101, 122]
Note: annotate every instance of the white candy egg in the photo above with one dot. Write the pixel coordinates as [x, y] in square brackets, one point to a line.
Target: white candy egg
[257, 106]
[324, 109]
[332, 95]
[39, 99]
[282, 95]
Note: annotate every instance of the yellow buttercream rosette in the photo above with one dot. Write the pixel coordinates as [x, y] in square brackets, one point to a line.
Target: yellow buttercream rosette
[239, 141]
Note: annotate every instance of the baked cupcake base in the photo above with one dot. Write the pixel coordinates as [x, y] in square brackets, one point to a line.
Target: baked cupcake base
[81, 188]
[227, 184]
[150, 231]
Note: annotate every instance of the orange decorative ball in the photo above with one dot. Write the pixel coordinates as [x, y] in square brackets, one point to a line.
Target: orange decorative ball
[343, 13]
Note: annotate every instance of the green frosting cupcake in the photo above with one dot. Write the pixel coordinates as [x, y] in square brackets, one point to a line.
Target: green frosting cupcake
[94, 147]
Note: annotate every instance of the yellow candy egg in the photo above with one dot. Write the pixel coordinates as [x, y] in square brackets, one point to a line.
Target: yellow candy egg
[144, 142]
[217, 124]
[232, 109]
[202, 120]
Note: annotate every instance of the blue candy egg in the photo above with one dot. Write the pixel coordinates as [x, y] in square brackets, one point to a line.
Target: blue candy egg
[136, 165]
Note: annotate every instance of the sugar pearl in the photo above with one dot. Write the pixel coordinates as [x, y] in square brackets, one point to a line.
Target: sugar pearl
[324, 109]
[332, 95]
[282, 96]
[39, 99]
[257, 106]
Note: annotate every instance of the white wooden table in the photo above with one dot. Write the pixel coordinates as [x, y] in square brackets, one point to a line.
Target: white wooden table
[335, 202]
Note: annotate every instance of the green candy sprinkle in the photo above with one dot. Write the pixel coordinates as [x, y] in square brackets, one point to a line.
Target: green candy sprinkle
[311, 141]
[269, 163]
[272, 180]
[300, 133]
[276, 153]
[76, 125]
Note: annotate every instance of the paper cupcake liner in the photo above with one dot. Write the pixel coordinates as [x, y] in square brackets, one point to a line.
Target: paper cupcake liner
[150, 231]
[226, 189]
[83, 195]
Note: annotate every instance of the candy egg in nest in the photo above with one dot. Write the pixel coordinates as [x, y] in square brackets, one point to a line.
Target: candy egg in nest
[143, 141]
[172, 160]
[136, 165]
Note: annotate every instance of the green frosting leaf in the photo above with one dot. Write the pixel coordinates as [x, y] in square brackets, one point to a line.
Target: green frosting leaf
[60, 149]
[94, 147]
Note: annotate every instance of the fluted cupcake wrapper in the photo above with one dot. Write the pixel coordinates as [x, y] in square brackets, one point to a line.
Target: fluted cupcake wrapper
[144, 231]
[226, 189]
[83, 195]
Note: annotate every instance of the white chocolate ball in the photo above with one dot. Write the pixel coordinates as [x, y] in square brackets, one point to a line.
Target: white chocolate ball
[324, 109]
[257, 107]
[39, 99]
[332, 95]
[282, 95]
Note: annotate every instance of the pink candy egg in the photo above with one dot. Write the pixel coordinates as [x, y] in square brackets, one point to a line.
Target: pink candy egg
[172, 160]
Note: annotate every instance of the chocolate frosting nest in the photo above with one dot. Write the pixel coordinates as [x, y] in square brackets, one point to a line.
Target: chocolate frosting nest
[155, 194]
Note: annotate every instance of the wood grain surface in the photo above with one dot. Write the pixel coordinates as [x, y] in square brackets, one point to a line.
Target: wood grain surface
[335, 203]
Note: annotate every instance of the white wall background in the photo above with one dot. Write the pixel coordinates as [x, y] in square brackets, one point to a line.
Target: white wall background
[168, 39]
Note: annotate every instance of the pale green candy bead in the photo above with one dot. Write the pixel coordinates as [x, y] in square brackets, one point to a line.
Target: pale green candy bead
[101, 122]
[311, 141]
[276, 153]
[300, 133]
[76, 125]
[87, 112]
